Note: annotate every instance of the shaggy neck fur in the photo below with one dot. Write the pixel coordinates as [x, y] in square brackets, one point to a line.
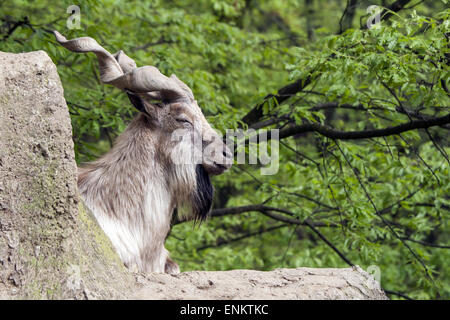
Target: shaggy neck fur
[133, 190]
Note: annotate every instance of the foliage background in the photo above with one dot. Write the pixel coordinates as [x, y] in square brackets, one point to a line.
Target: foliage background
[285, 64]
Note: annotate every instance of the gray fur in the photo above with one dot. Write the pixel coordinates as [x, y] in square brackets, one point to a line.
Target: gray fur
[135, 187]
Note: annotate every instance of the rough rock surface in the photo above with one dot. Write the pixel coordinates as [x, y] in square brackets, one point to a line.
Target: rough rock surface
[52, 248]
[48, 247]
[282, 284]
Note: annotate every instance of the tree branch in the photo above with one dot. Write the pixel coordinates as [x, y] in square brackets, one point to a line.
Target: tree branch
[24, 22]
[291, 89]
[347, 17]
[282, 95]
[258, 208]
[395, 7]
[222, 242]
[427, 244]
[398, 294]
[332, 133]
[311, 226]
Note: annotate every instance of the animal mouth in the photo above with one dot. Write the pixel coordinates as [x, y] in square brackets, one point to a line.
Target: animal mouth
[217, 168]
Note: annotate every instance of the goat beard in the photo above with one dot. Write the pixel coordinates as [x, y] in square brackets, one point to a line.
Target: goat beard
[202, 196]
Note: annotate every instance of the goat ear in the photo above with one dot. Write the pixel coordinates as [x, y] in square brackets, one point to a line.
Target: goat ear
[138, 102]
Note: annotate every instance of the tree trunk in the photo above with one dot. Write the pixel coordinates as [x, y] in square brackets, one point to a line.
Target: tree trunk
[50, 246]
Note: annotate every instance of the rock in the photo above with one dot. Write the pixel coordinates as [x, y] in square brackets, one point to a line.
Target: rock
[285, 284]
[51, 246]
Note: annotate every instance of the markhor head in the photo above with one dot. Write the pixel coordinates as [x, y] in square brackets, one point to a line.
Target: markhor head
[188, 145]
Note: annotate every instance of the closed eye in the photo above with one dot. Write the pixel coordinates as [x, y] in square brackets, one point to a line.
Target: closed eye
[183, 120]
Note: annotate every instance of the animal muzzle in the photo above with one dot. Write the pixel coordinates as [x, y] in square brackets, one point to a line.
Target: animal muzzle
[217, 157]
